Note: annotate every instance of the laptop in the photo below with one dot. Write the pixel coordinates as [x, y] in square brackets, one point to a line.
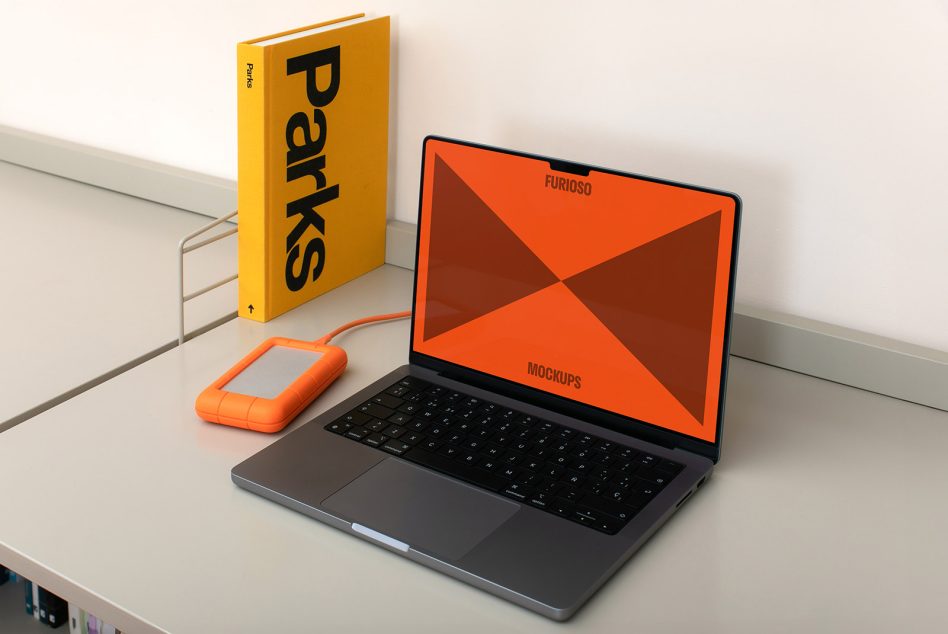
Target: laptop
[565, 383]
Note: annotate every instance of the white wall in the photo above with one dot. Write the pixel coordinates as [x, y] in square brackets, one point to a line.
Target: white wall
[829, 117]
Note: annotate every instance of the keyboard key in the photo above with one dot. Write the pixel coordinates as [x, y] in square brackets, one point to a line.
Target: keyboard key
[603, 459]
[608, 526]
[599, 473]
[492, 451]
[653, 475]
[594, 486]
[561, 507]
[552, 471]
[376, 410]
[561, 460]
[583, 453]
[399, 418]
[394, 431]
[431, 445]
[670, 467]
[520, 445]
[552, 487]
[546, 426]
[387, 400]
[376, 425]
[613, 509]
[414, 383]
[417, 425]
[510, 473]
[586, 516]
[396, 447]
[355, 417]
[488, 464]
[470, 459]
[502, 439]
[626, 453]
[398, 390]
[645, 488]
[605, 446]
[357, 433]
[411, 438]
[375, 440]
[615, 495]
[518, 491]
[539, 500]
[512, 457]
[646, 460]
[449, 451]
[562, 446]
[338, 427]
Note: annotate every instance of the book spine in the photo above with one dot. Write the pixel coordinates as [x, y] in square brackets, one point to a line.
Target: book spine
[28, 591]
[4, 575]
[57, 610]
[43, 609]
[74, 619]
[36, 602]
[252, 164]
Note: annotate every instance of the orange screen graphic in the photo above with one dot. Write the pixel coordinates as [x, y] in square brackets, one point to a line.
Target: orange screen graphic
[610, 290]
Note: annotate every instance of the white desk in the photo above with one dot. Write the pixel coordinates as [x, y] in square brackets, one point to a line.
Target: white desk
[825, 513]
[88, 280]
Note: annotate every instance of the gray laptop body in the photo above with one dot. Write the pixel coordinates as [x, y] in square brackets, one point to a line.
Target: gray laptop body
[519, 551]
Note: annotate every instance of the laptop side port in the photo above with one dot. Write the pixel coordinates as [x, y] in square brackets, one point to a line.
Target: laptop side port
[682, 500]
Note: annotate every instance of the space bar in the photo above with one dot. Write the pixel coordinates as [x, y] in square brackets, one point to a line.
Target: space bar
[461, 471]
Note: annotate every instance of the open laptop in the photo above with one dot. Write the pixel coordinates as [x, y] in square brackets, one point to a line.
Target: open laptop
[565, 385]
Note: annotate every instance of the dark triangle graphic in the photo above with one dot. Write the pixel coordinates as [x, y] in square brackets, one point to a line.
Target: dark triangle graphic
[476, 264]
[657, 299]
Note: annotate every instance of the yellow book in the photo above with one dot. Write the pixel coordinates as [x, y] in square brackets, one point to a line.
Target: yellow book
[312, 151]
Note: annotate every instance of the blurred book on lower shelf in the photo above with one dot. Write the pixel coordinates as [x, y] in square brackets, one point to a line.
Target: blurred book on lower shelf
[51, 609]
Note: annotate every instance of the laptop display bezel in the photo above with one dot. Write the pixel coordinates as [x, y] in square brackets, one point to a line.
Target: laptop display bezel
[610, 420]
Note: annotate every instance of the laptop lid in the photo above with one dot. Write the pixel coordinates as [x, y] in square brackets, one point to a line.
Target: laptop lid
[600, 294]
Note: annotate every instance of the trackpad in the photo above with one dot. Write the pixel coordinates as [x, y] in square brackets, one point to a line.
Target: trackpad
[429, 512]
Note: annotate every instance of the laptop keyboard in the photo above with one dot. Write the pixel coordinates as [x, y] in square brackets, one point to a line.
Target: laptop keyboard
[589, 480]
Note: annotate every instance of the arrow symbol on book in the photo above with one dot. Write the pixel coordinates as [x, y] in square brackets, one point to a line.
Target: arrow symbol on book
[251, 308]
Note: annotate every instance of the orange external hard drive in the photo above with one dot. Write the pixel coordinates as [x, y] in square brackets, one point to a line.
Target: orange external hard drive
[271, 385]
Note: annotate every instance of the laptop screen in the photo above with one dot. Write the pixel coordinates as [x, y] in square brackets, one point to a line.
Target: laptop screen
[606, 289]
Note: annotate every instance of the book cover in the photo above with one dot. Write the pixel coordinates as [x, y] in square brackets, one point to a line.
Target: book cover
[312, 113]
